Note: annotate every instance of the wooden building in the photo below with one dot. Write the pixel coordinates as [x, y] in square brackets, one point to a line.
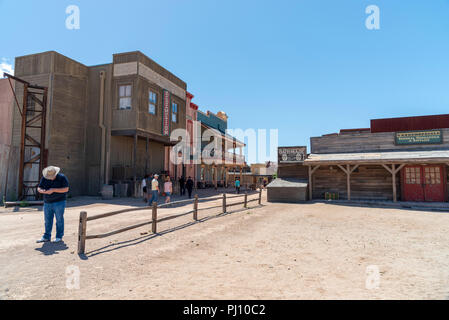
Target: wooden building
[106, 124]
[403, 159]
[219, 162]
[7, 153]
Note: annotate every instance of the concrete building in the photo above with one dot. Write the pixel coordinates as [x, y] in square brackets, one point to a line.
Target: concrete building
[106, 124]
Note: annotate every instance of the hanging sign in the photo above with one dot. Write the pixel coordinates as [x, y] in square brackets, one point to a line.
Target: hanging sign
[166, 114]
[292, 154]
[419, 137]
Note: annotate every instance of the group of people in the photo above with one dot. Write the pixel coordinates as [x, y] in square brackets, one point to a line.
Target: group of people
[152, 181]
[54, 187]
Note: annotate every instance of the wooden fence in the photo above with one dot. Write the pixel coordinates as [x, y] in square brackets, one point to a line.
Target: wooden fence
[82, 236]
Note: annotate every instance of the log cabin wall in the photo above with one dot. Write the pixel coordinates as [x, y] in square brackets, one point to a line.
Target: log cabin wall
[371, 182]
[368, 142]
[298, 171]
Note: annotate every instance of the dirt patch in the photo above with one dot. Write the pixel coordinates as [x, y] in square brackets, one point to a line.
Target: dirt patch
[279, 251]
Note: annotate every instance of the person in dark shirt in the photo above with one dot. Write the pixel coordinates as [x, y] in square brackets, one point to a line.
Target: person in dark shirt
[182, 185]
[189, 186]
[54, 186]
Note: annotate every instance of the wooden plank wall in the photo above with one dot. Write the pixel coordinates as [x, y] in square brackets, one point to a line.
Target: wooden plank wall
[366, 142]
[367, 182]
[65, 136]
[122, 155]
[298, 171]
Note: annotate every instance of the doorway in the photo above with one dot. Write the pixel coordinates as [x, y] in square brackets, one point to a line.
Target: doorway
[424, 183]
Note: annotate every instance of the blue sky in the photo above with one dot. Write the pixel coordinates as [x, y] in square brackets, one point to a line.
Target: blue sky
[304, 67]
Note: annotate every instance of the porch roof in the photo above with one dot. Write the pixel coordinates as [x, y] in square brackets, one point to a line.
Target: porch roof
[423, 156]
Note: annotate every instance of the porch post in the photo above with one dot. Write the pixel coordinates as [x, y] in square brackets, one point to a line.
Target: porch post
[311, 172]
[146, 155]
[393, 170]
[135, 159]
[348, 181]
[348, 170]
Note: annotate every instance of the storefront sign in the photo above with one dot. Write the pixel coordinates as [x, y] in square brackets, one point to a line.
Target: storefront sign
[419, 137]
[292, 154]
[166, 114]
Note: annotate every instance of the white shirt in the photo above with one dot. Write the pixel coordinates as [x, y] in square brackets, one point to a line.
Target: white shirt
[144, 183]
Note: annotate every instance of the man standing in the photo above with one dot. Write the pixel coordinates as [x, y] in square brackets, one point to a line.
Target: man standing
[182, 185]
[189, 186]
[54, 186]
[154, 189]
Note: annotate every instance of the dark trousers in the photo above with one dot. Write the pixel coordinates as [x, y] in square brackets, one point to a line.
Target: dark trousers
[183, 189]
[190, 193]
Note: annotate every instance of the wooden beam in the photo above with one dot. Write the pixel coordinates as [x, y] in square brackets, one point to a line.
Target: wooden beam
[393, 169]
[348, 170]
[354, 168]
[342, 168]
[82, 232]
[311, 172]
[387, 168]
[400, 167]
[348, 180]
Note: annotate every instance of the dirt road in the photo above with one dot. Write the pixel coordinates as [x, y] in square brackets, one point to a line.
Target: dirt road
[279, 251]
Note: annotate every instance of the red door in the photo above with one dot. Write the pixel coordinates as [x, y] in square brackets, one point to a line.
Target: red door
[412, 184]
[424, 183]
[434, 183]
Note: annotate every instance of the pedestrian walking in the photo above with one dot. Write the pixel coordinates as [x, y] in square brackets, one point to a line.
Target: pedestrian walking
[54, 186]
[168, 189]
[145, 188]
[237, 186]
[189, 186]
[182, 185]
[154, 189]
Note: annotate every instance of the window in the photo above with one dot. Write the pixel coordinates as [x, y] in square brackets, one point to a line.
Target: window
[125, 97]
[174, 112]
[432, 175]
[152, 101]
[413, 175]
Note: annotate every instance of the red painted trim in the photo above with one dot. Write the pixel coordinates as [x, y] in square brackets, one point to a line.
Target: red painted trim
[189, 95]
[194, 106]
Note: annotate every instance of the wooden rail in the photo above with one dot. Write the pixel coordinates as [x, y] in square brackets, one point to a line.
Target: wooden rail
[82, 232]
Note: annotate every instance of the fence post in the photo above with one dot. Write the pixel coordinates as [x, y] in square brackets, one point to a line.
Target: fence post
[224, 202]
[260, 196]
[246, 200]
[195, 208]
[82, 232]
[154, 217]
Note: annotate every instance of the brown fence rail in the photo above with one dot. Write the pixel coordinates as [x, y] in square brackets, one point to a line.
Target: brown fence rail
[82, 236]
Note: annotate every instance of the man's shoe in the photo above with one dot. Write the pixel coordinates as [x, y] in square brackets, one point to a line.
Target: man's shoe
[57, 240]
[42, 240]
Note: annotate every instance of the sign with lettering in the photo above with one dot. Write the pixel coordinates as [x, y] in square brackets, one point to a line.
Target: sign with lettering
[419, 137]
[292, 154]
[166, 114]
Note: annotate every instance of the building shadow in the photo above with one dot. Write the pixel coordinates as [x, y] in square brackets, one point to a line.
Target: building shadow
[144, 238]
[51, 248]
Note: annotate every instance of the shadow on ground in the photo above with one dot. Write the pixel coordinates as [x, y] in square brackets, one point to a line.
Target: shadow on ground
[144, 237]
[51, 248]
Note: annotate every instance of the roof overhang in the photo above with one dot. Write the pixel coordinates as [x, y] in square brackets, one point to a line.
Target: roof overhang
[425, 156]
[144, 134]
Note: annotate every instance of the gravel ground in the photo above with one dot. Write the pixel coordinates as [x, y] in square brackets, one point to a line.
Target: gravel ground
[277, 251]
